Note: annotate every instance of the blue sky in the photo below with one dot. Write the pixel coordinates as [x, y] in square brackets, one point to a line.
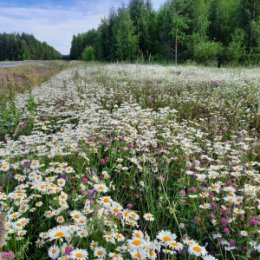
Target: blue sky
[55, 21]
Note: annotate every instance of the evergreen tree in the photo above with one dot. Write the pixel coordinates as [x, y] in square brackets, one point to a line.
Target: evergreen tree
[144, 21]
[202, 30]
[25, 46]
[249, 19]
[126, 40]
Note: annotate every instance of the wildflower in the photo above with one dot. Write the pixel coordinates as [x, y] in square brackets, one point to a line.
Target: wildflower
[148, 217]
[67, 249]
[138, 234]
[119, 237]
[60, 219]
[226, 230]
[15, 215]
[151, 254]
[205, 206]
[105, 201]
[39, 204]
[5, 166]
[189, 242]
[93, 245]
[135, 243]
[84, 180]
[182, 193]
[35, 164]
[61, 182]
[44, 235]
[76, 215]
[79, 254]
[110, 239]
[197, 250]
[129, 205]
[126, 214]
[232, 242]
[224, 221]
[243, 233]
[82, 233]
[63, 196]
[176, 245]
[100, 252]
[239, 211]
[69, 169]
[59, 232]
[253, 221]
[134, 216]
[115, 256]
[166, 236]
[39, 243]
[139, 254]
[101, 187]
[54, 252]
[7, 255]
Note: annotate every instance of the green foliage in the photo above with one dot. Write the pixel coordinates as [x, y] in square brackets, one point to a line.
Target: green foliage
[25, 46]
[180, 30]
[249, 15]
[126, 41]
[12, 121]
[207, 51]
[144, 20]
[235, 49]
[88, 54]
[80, 42]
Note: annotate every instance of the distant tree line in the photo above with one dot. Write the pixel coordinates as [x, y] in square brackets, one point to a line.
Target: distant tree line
[24, 46]
[205, 31]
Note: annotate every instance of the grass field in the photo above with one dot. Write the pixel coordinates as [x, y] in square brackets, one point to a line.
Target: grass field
[132, 162]
[22, 79]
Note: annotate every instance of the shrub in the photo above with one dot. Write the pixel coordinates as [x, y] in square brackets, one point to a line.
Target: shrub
[207, 51]
[88, 54]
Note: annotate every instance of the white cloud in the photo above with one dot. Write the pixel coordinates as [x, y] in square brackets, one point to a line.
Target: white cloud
[56, 25]
[53, 26]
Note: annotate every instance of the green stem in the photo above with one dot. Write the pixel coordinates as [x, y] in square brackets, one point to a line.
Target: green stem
[172, 209]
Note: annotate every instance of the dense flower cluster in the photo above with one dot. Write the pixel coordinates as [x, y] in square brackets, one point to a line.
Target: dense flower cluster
[114, 169]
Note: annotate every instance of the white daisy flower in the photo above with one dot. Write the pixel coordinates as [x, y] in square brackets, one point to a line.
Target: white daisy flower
[54, 252]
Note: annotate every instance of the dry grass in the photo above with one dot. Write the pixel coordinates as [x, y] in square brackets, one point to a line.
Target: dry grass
[22, 78]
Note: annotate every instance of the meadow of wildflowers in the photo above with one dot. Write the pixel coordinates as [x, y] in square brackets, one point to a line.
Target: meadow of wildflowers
[134, 162]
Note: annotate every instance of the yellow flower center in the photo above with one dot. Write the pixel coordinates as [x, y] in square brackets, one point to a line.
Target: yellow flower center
[166, 239]
[79, 255]
[197, 249]
[106, 200]
[59, 234]
[136, 242]
[174, 244]
[99, 252]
